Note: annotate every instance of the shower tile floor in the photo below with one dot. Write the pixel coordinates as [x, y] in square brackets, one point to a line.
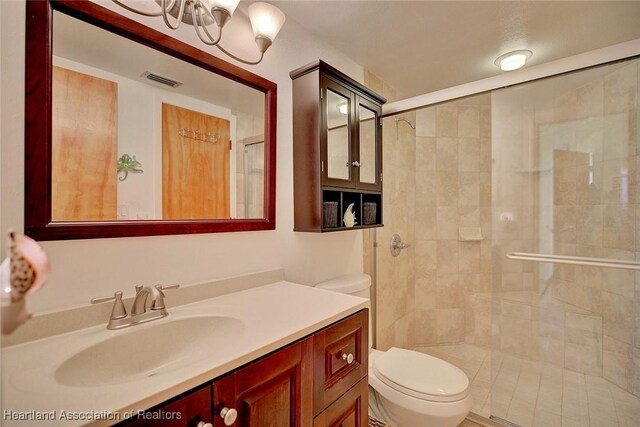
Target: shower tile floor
[538, 394]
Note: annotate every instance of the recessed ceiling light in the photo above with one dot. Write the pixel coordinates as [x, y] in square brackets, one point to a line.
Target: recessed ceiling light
[513, 60]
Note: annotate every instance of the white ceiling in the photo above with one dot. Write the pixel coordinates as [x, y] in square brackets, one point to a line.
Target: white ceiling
[422, 46]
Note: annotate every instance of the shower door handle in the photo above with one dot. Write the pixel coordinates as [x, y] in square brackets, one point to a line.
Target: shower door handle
[575, 260]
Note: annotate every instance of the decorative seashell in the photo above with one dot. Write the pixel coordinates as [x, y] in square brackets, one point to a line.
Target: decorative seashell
[29, 265]
[349, 216]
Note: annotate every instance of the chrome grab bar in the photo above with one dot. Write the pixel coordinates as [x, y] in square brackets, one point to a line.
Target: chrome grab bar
[575, 260]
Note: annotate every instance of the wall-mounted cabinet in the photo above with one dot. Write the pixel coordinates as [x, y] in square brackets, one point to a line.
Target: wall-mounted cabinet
[337, 150]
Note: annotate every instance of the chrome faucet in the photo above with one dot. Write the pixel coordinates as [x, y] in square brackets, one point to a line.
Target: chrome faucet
[139, 313]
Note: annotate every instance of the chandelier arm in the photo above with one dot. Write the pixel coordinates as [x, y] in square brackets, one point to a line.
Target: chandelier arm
[240, 59]
[141, 12]
[199, 23]
[165, 12]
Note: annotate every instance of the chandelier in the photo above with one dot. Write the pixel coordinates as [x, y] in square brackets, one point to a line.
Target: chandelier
[266, 20]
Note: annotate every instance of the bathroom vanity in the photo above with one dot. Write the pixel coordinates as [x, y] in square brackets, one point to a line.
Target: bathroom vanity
[279, 354]
[320, 380]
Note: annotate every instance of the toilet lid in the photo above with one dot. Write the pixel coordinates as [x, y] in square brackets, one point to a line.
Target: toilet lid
[420, 375]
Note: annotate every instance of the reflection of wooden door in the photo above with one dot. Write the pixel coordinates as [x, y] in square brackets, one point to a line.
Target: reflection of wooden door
[195, 173]
[84, 147]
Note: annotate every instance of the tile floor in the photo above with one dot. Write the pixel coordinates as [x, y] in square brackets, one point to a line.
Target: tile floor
[538, 394]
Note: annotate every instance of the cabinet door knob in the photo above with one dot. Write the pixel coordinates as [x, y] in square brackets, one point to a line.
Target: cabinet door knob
[348, 358]
[203, 424]
[229, 416]
[355, 163]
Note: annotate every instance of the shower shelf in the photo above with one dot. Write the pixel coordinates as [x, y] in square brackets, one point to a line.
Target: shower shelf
[532, 170]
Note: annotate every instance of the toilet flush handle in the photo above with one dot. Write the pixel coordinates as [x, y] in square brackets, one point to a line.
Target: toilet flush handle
[348, 358]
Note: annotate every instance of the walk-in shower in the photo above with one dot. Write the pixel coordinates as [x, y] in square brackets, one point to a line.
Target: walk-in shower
[521, 206]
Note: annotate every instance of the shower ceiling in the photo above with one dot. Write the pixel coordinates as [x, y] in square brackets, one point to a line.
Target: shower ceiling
[423, 46]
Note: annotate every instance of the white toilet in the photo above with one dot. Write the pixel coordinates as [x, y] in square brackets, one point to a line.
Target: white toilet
[408, 388]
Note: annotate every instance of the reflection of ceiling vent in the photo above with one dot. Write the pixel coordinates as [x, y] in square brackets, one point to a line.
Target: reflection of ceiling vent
[161, 79]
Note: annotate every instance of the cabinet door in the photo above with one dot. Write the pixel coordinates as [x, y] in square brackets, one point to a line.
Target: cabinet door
[185, 411]
[351, 410]
[368, 163]
[337, 134]
[275, 391]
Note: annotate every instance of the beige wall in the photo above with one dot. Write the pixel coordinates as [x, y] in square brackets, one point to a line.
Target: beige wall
[453, 190]
[436, 179]
[395, 275]
[84, 269]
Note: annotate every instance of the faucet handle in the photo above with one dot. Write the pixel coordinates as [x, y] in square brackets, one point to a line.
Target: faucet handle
[158, 303]
[166, 288]
[118, 311]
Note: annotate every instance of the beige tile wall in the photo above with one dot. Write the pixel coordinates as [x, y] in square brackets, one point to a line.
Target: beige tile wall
[453, 190]
[395, 275]
[436, 179]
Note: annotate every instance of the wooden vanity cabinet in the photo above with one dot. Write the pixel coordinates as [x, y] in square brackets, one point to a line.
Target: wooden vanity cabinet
[337, 149]
[274, 391]
[187, 410]
[318, 381]
[341, 356]
[350, 410]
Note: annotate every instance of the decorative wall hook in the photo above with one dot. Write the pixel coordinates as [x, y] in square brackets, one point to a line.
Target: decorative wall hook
[198, 136]
[127, 164]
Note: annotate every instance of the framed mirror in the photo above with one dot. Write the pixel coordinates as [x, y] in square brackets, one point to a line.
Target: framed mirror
[129, 132]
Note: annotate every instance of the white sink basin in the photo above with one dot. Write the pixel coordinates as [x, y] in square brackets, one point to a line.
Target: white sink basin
[134, 354]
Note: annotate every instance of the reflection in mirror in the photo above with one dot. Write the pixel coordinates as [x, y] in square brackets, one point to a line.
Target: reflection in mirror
[138, 134]
[251, 179]
[367, 145]
[338, 136]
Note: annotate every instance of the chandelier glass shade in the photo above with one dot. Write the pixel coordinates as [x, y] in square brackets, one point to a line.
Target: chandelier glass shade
[266, 20]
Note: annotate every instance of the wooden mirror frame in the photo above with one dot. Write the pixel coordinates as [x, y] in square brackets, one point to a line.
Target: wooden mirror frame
[38, 114]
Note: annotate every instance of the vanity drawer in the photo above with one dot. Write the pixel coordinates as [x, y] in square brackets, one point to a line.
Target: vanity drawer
[350, 410]
[341, 356]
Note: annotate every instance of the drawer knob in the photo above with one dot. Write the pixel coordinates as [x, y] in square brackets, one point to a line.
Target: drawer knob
[348, 358]
[203, 424]
[229, 416]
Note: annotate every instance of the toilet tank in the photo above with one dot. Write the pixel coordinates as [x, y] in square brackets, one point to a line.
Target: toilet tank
[353, 284]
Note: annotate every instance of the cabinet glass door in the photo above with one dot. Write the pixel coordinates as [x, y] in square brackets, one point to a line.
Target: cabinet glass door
[367, 132]
[338, 147]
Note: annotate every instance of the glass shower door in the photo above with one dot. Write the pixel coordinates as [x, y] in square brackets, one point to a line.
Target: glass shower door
[565, 190]
[254, 180]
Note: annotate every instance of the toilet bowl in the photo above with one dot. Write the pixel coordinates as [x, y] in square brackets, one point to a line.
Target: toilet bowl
[408, 388]
[412, 389]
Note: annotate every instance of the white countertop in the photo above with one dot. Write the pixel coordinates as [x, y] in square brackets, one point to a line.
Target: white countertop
[272, 316]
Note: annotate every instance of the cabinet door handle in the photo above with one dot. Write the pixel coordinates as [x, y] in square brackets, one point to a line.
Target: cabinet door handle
[203, 424]
[229, 415]
[355, 164]
[348, 358]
